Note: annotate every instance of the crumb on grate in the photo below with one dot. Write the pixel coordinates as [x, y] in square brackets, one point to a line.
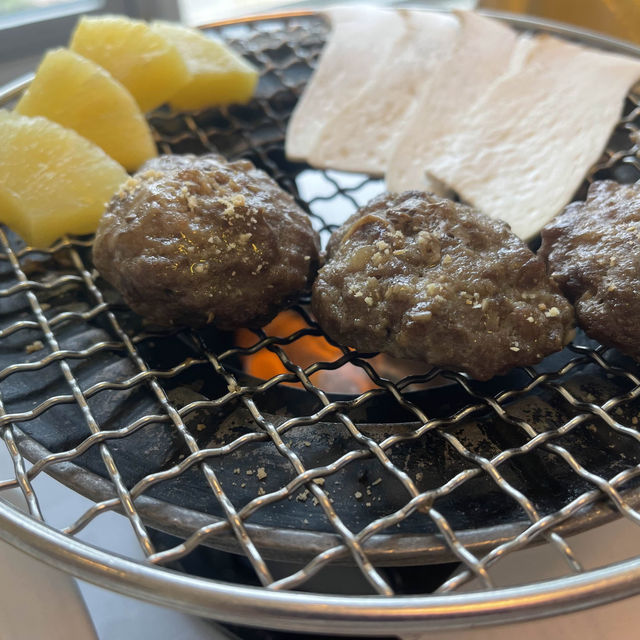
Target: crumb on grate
[34, 346]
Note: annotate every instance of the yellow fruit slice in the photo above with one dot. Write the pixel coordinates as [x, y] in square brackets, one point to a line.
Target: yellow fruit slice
[218, 74]
[52, 180]
[78, 94]
[141, 59]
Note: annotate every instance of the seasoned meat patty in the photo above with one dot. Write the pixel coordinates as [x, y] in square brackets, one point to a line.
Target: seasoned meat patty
[195, 239]
[593, 252]
[418, 276]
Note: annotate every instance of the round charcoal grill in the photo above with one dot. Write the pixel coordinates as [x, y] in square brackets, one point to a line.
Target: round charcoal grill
[167, 429]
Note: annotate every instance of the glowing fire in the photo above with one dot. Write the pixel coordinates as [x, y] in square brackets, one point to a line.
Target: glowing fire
[309, 349]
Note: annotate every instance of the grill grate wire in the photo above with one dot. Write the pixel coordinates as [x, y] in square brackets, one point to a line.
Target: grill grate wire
[43, 282]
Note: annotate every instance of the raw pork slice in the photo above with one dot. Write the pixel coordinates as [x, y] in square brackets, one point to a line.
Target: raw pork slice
[362, 134]
[361, 38]
[521, 153]
[483, 53]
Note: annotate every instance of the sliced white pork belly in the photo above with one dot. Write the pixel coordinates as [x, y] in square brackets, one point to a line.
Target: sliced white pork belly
[363, 131]
[521, 153]
[483, 52]
[360, 39]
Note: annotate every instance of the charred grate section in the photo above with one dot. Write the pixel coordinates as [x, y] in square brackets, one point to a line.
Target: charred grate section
[166, 428]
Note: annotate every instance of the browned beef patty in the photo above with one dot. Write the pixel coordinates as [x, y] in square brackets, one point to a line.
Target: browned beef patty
[593, 252]
[421, 277]
[195, 239]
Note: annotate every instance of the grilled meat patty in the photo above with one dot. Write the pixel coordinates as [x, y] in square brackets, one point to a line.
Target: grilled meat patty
[593, 253]
[421, 277]
[195, 239]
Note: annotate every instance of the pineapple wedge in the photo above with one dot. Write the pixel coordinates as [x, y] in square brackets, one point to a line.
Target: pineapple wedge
[78, 94]
[218, 74]
[52, 180]
[147, 64]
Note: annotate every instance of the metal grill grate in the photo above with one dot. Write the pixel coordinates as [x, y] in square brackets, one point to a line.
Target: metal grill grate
[165, 428]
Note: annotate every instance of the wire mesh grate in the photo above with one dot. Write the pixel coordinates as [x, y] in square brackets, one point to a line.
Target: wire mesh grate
[418, 467]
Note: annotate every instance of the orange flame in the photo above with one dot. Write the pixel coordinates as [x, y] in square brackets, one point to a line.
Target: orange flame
[347, 379]
[303, 352]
